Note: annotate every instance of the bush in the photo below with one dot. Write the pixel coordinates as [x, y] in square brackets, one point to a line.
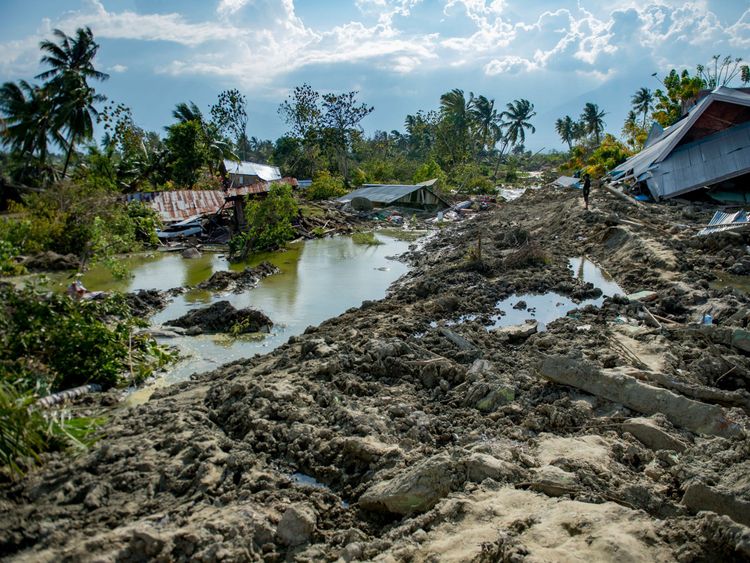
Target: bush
[8, 264]
[530, 254]
[50, 341]
[325, 186]
[269, 223]
[366, 238]
[25, 432]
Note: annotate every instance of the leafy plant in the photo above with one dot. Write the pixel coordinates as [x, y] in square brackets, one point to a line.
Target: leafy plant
[325, 186]
[366, 239]
[8, 264]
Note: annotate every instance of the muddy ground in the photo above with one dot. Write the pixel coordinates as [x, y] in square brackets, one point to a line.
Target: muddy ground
[395, 432]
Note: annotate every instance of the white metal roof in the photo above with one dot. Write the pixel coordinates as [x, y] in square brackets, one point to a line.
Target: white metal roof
[262, 171]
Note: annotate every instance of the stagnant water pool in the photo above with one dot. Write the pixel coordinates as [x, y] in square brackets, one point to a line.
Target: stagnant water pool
[319, 279]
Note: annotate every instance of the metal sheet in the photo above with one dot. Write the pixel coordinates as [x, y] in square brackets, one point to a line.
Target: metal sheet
[262, 171]
[179, 205]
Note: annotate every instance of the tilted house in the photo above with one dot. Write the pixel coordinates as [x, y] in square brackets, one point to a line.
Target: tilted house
[420, 196]
[709, 146]
[248, 173]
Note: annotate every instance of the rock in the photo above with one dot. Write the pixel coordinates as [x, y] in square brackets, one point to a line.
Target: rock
[553, 481]
[239, 281]
[481, 466]
[414, 490]
[51, 261]
[297, 525]
[484, 389]
[145, 302]
[223, 317]
[191, 253]
[517, 333]
[520, 306]
[699, 496]
[97, 497]
[651, 435]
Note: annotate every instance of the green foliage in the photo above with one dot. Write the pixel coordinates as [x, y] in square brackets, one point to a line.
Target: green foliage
[606, 156]
[8, 264]
[145, 222]
[368, 239]
[429, 170]
[470, 179]
[269, 223]
[25, 432]
[50, 341]
[184, 141]
[325, 186]
[680, 87]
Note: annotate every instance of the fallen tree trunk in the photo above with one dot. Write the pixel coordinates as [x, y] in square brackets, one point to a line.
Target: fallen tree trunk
[697, 417]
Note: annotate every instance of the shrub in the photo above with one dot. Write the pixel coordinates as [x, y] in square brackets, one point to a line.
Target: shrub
[269, 223]
[366, 238]
[428, 171]
[529, 254]
[25, 432]
[325, 186]
[50, 341]
[8, 264]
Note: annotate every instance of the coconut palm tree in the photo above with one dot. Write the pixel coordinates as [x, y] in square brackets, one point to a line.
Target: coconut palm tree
[486, 121]
[71, 66]
[184, 112]
[454, 112]
[28, 122]
[593, 120]
[515, 122]
[565, 127]
[643, 101]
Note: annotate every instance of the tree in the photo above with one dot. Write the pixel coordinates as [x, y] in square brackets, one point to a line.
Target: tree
[745, 74]
[342, 114]
[720, 73]
[187, 152]
[28, 124]
[594, 120]
[71, 66]
[635, 135]
[486, 121]
[516, 121]
[230, 117]
[214, 147]
[642, 102]
[565, 127]
[680, 89]
[453, 134]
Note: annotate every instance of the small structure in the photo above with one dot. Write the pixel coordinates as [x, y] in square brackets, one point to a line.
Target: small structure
[242, 173]
[420, 196]
[567, 182]
[708, 147]
[179, 205]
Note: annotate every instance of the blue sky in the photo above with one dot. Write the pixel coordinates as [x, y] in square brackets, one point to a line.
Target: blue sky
[400, 54]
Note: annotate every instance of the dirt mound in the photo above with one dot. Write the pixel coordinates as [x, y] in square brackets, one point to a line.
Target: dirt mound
[222, 316]
[145, 302]
[51, 261]
[239, 281]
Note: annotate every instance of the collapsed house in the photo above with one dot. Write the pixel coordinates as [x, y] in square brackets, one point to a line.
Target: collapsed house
[567, 182]
[242, 173]
[419, 196]
[708, 148]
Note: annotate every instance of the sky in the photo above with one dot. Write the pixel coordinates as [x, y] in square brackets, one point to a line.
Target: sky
[400, 55]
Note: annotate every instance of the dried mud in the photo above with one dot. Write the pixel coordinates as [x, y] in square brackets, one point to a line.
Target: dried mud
[409, 430]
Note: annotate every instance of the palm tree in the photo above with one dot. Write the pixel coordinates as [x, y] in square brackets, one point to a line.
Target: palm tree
[454, 111]
[486, 120]
[516, 116]
[565, 127]
[71, 65]
[593, 120]
[643, 101]
[184, 112]
[28, 121]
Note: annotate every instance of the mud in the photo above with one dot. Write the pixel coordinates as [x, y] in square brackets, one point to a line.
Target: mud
[425, 433]
[50, 261]
[222, 316]
[238, 282]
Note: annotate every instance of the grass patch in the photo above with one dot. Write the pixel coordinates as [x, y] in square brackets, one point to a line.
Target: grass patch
[365, 238]
[530, 254]
[311, 210]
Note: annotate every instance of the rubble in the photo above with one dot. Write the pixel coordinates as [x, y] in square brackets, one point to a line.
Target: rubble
[418, 431]
[222, 317]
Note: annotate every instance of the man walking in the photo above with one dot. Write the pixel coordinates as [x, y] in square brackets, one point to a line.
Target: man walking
[586, 190]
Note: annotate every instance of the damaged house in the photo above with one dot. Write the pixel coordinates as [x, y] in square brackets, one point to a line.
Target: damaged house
[241, 173]
[419, 196]
[709, 148]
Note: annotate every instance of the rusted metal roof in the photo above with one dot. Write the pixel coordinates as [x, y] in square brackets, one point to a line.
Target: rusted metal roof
[181, 204]
[257, 188]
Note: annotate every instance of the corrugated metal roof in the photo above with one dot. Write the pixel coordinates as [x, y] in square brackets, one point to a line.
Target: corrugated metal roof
[381, 193]
[181, 204]
[262, 171]
[568, 182]
[725, 222]
[647, 164]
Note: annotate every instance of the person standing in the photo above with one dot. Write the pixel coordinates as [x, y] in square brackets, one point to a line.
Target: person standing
[586, 190]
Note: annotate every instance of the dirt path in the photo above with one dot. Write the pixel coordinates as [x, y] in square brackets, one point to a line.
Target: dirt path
[395, 432]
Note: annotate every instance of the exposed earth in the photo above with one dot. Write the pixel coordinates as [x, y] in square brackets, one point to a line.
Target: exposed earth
[410, 430]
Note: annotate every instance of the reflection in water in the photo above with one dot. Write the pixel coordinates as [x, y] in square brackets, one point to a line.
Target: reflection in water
[319, 279]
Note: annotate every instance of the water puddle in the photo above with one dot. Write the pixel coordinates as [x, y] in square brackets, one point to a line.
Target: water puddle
[547, 307]
[319, 279]
[724, 280]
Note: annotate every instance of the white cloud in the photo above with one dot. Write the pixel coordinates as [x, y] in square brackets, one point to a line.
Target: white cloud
[118, 68]
[508, 65]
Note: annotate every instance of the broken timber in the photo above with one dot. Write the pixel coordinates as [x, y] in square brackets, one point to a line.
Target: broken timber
[697, 417]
